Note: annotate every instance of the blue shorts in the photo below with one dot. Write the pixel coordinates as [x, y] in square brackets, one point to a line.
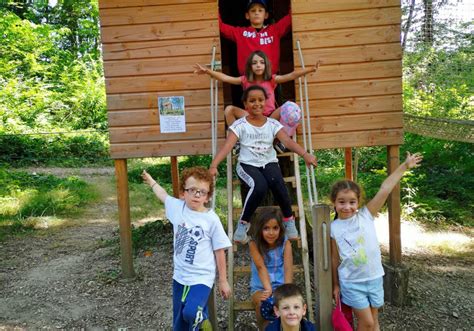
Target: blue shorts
[362, 295]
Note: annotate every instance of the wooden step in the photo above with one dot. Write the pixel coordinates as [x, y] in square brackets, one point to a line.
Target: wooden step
[245, 270]
[243, 306]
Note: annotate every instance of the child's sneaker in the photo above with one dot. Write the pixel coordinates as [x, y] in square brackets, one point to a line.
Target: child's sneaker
[290, 229]
[240, 234]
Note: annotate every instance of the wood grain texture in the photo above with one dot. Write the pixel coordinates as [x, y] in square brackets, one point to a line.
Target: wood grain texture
[134, 3]
[311, 6]
[157, 14]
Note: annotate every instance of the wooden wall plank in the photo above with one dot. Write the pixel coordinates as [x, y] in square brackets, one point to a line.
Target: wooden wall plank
[176, 64]
[358, 105]
[194, 131]
[351, 54]
[178, 82]
[357, 139]
[352, 71]
[346, 19]
[355, 88]
[133, 3]
[356, 123]
[150, 116]
[166, 148]
[310, 6]
[162, 48]
[160, 31]
[150, 100]
[348, 37]
[157, 14]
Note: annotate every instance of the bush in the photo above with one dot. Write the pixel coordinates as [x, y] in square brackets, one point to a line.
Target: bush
[58, 149]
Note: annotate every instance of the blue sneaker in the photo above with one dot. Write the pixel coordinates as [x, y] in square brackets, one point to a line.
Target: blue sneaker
[240, 234]
[290, 229]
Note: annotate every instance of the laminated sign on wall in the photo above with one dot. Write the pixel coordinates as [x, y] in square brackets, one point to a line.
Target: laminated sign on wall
[172, 118]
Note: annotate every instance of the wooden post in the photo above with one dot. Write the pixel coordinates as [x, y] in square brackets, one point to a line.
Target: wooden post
[124, 218]
[322, 265]
[175, 176]
[393, 202]
[348, 158]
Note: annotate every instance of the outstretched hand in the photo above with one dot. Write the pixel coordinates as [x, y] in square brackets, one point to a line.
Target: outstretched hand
[413, 161]
[213, 171]
[316, 67]
[199, 69]
[147, 178]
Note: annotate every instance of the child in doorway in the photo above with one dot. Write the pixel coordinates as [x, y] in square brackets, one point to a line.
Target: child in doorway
[257, 36]
[272, 262]
[290, 308]
[198, 236]
[257, 72]
[356, 260]
[257, 163]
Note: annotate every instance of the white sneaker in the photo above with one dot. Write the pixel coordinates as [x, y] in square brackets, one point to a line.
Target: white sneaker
[290, 229]
[240, 234]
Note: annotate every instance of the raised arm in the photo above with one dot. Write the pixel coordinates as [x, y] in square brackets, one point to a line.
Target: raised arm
[201, 70]
[293, 146]
[224, 287]
[296, 74]
[389, 183]
[257, 258]
[156, 188]
[226, 149]
[288, 262]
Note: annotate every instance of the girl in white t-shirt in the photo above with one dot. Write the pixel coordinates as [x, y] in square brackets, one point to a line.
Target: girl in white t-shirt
[356, 260]
[257, 164]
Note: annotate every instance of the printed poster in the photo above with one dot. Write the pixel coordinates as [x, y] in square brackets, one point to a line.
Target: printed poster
[172, 117]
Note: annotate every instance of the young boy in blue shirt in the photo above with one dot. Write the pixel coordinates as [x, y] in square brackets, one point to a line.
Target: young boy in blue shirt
[290, 308]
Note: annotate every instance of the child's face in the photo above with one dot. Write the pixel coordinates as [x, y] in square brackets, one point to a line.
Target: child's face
[271, 232]
[291, 311]
[195, 201]
[256, 15]
[346, 203]
[258, 65]
[255, 102]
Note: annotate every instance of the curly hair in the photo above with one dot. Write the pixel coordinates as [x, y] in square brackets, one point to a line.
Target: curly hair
[199, 173]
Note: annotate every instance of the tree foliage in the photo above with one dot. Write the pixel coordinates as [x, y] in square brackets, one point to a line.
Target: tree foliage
[50, 72]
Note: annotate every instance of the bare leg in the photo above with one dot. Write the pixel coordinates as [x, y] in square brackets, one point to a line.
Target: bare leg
[232, 113]
[365, 320]
[375, 315]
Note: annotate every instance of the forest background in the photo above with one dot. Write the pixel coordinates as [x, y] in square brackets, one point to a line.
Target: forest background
[53, 114]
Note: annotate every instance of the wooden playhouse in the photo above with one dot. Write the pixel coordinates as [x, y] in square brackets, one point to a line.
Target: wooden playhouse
[149, 47]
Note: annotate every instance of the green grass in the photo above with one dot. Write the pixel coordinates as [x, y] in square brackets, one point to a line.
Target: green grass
[25, 198]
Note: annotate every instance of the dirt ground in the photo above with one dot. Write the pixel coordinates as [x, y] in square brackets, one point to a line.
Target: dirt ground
[65, 278]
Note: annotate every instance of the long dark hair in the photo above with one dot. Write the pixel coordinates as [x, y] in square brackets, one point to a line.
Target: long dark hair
[267, 73]
[266, 215]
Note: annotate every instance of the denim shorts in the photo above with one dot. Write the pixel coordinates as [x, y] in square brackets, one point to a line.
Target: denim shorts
[362, 295]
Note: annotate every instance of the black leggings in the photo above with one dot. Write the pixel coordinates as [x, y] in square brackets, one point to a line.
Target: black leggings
[259, 179]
